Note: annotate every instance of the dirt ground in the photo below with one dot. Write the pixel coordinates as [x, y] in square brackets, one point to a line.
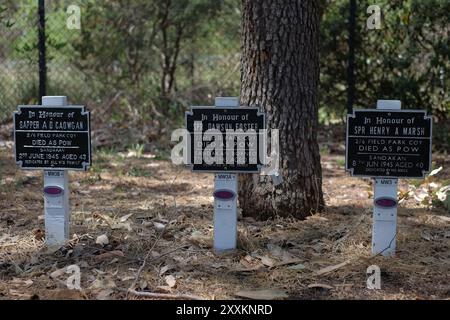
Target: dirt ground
[151, 210]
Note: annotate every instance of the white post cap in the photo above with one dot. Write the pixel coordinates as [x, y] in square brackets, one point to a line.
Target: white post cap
[54, 101]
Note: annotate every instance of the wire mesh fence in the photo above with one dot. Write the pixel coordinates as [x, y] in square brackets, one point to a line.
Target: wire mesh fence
[64, 68]
[138, 63]
[18, 55]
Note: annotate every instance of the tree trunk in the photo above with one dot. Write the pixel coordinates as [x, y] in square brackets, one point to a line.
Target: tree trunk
[280, 74]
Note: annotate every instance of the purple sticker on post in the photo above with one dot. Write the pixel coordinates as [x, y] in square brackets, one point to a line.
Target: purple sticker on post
[54, 191]
[386, 203]
[224, 195]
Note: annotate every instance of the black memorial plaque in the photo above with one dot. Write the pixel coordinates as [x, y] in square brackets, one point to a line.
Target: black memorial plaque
[52, 138]
[244, 121]
[389, 143]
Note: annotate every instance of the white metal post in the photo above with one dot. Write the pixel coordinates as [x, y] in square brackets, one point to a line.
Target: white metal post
[225, 211]
[56, 204]
[384, 231]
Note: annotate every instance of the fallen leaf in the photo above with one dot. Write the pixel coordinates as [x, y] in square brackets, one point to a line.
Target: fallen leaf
[107, 255]
[426, 236]
[297, 267]
[103, 284]
[247, 261]
[442, 193]
[265, 294]
[143, 284]
[104, 294]
[28, 283]
[170, 280]
[218, 265]
[122, 225]
[433, 185]
[164, 270]
[100, 272]
[125, 217]
[331, 268]
[58, 273]
[403, 195]
[50, 249]
[288, 261]
[127, 278]
[164, 289]
[159, 226]
[20, 282]
[435, 171]
[104, 217]
[285, 256]
[250, 269]
[19, 294]
[267, 261]
[443, 218]
[200, 239]
[421, 195]
[320, 285]
[275, 250]
[39, 234]
[102, 240]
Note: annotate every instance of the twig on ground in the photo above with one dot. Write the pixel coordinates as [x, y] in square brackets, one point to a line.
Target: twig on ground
[161, 295]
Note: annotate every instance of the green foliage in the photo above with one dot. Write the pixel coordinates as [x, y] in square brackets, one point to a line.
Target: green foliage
[341, 162]
[143, 61]
[18, 55]
[407, 59]
[146, 60]
[136, 150]
[139, 172]
[3, 17]
[432, 191]
[139, 64]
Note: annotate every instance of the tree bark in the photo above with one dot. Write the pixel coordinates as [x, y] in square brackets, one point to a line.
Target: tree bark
[280, 74]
